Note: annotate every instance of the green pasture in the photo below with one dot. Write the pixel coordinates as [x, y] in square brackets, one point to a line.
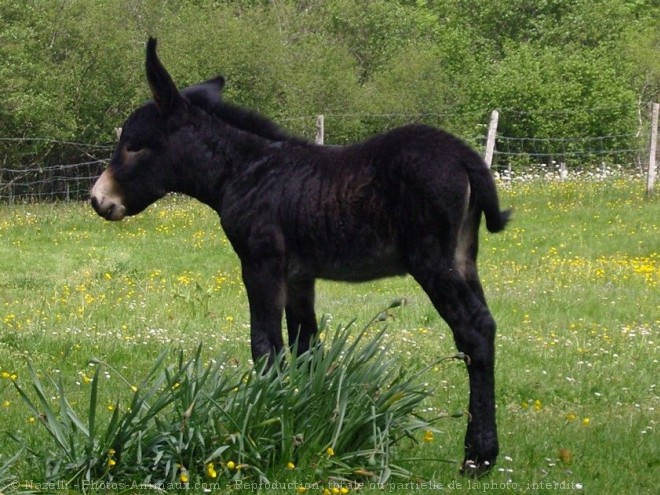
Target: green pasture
[574, 284]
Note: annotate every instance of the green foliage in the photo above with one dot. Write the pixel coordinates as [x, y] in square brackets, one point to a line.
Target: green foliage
[555, 89]
[336, 413]
[375, 31]
[72, 70]
[7, 478]
[642, 47]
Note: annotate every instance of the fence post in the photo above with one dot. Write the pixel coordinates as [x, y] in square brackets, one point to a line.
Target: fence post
[490, 139]
[320, 129]
[650, 182]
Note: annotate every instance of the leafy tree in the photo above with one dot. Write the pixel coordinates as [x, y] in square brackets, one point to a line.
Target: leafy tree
[642, 49]
[72, 69]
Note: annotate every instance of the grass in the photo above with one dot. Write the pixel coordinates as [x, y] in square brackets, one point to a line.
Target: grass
[574, 285]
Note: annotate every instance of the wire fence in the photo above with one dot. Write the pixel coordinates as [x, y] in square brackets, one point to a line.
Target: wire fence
[42, 169]
[556, 158]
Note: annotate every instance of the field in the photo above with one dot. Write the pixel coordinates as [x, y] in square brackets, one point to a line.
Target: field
[574, 284]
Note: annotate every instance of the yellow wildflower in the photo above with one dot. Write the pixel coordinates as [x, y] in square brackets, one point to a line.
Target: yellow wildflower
[428, 436]
[330, 451]
[231, 465]
[290, 465]
[111, 462]
[301, 489]
[537, 405]
[586, 421]
[210, 471]
[184, 477]
[571, 416]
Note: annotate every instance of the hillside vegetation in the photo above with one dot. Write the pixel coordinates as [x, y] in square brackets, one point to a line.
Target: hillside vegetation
[72, 69]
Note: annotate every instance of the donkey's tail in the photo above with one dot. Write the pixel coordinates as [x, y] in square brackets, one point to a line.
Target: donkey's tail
[483, 188]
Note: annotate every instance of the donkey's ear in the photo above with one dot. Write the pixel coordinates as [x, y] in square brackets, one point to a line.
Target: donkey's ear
[163, 89]
[206, 94]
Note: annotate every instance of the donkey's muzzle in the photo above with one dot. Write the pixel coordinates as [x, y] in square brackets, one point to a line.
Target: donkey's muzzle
[105, 198]
[108, 210]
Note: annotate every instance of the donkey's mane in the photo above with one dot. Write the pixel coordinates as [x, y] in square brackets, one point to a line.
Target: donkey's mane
[244, 119]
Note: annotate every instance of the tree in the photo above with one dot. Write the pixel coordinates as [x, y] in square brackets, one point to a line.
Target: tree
[72, 69]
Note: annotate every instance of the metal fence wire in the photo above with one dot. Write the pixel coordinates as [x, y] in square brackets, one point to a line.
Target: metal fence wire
[42, 169]
[49, 170]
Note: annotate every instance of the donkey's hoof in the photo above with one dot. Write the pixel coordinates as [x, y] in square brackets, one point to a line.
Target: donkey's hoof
[476, 469]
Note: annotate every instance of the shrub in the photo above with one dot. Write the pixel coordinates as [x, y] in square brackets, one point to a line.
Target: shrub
[333, 414]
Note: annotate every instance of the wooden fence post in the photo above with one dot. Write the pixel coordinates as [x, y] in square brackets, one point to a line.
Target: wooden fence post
[490, 139]
[650, 182]
[320, 129]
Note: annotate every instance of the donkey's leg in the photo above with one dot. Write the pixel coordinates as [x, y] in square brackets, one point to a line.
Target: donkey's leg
[266, 290]
[300, 318]
[472, 278]
[467, 248]
[474, 333]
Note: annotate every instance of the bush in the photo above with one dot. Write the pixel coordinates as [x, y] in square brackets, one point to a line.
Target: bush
[73, 70]
[336, 413]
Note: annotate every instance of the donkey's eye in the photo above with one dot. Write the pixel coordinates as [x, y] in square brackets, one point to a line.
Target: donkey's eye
[134, 147]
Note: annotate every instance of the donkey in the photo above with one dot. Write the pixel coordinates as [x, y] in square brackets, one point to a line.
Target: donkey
[408, 201]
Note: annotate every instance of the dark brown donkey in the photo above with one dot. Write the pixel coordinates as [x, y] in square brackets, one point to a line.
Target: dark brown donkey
[406, 201]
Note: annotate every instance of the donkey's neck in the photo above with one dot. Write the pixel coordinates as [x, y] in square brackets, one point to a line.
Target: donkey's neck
[212, 156]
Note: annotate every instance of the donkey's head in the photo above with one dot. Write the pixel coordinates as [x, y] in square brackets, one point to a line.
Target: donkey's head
[143, 167]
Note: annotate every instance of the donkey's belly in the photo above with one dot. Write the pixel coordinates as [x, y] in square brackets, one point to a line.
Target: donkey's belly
[349, 265]
[362, 273]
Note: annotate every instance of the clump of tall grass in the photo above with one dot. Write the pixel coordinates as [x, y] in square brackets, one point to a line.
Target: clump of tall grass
[334, 414]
